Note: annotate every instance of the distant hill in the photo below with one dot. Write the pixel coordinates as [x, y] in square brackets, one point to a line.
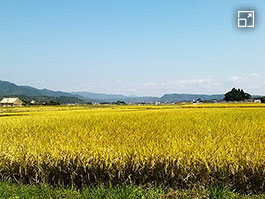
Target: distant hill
[8, 89]
[11, 89]
[99, 96]
[27, 93]
[113, 98]
[189, 97]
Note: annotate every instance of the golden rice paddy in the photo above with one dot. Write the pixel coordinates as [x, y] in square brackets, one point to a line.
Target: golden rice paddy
[177, 145]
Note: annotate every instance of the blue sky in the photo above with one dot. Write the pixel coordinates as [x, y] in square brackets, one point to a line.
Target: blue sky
[132, 47]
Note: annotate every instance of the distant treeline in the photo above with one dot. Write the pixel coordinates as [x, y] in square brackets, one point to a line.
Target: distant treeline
[46, 100]
[232, 95]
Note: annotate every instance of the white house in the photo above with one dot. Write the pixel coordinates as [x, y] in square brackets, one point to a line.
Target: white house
[11, 102]
[157, 103]
[257, 101]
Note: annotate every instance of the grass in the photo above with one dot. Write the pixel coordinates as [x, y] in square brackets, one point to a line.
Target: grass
[14, 191]
[99, 192]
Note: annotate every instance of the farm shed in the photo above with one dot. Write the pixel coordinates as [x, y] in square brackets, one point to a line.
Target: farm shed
[11, 102]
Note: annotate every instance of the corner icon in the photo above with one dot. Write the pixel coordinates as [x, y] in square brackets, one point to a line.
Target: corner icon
[245, 19]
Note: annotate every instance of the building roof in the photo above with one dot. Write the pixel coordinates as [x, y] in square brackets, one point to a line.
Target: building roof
[9, 100]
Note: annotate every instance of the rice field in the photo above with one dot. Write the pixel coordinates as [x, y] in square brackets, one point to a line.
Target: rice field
[183, 146]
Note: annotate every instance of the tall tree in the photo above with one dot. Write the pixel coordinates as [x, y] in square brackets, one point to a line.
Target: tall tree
[236, 95]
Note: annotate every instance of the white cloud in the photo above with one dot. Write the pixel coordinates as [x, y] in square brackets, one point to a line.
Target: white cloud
[236, 79]
[254, 75]
[252, 83]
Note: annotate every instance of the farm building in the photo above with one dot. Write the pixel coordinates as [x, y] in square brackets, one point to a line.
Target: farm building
[11, 102]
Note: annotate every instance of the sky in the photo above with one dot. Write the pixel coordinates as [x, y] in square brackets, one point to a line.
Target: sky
[140, 47]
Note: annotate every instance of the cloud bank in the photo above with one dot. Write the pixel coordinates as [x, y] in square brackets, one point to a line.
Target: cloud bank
[253, 83]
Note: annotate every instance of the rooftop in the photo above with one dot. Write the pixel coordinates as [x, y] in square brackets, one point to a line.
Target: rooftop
[9, 100]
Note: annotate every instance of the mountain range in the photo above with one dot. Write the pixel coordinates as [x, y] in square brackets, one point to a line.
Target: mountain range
[10, 89]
